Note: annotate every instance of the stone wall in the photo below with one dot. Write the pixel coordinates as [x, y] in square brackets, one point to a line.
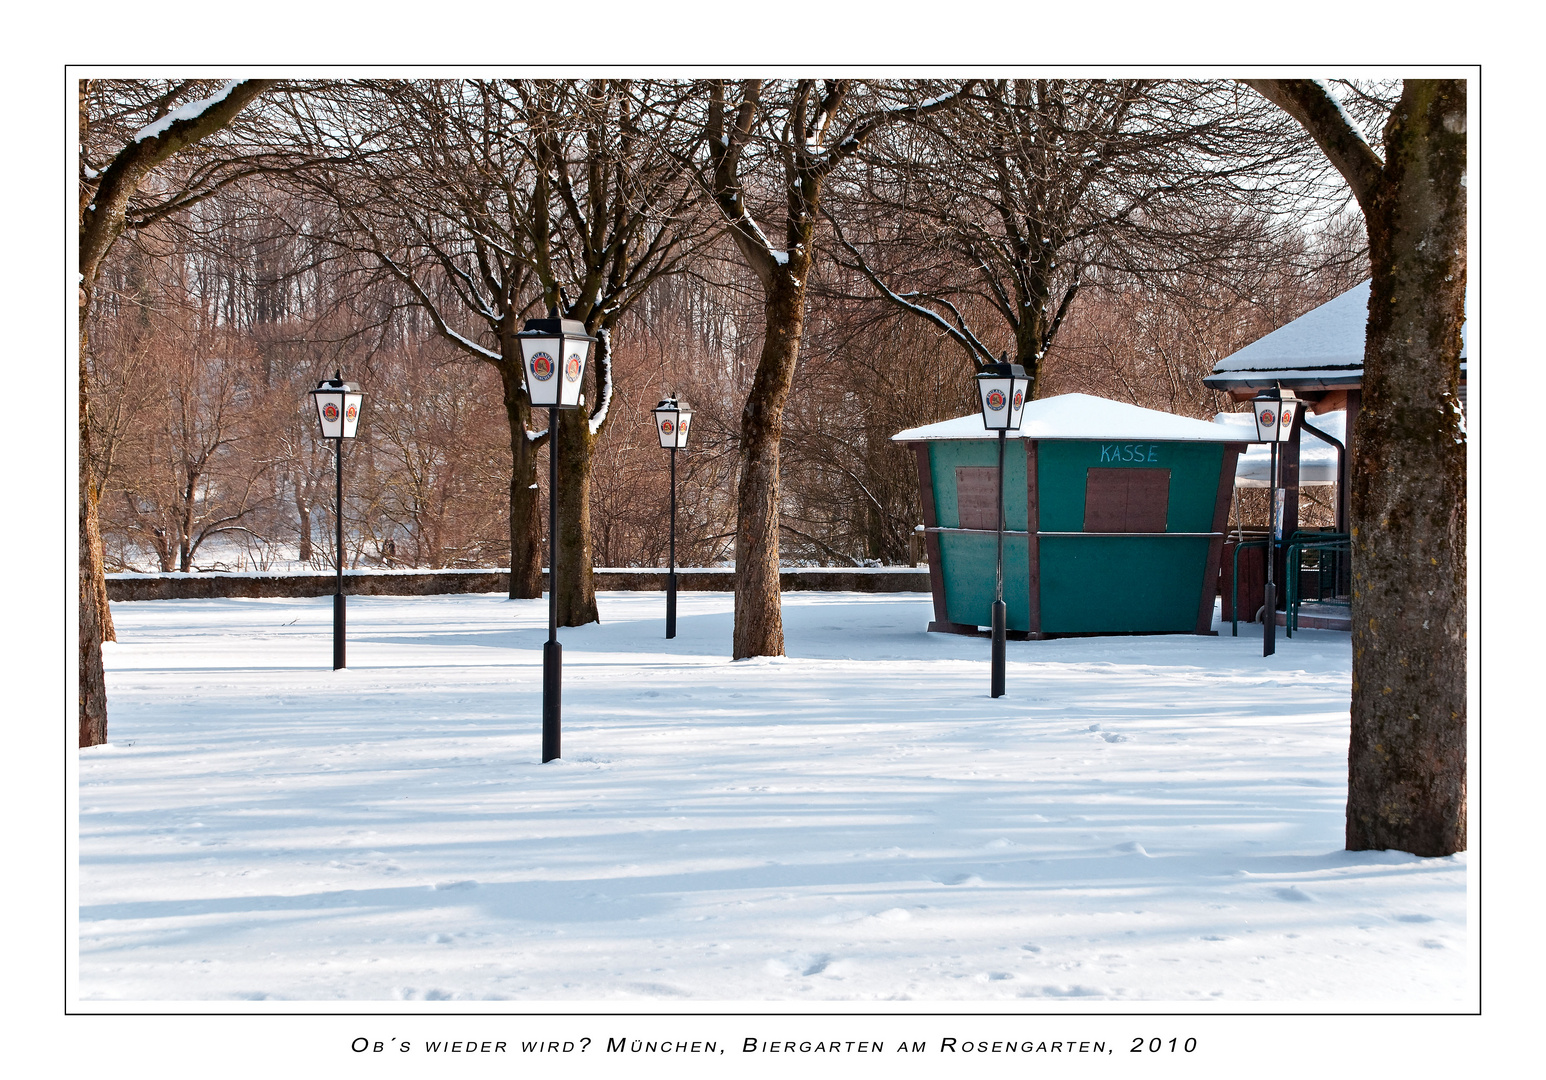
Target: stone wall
[436, 582]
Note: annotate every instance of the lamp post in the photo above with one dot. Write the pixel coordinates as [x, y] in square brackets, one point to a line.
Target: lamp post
[338, 409]
[1002, 389]
[672, 419]
[1274, 410]
[555, 352]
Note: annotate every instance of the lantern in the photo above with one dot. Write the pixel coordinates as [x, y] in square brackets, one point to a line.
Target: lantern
[1002, 387]
[555, 352]
[338, 407]
[1274, 411]
[672, 419]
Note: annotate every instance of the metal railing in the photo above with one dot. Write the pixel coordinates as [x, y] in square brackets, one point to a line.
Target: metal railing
[1234, 584]
[1329, 554]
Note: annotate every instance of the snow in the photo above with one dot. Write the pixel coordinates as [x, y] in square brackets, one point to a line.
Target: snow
[1329, 336]
[1076, 416]
[1140, 819]
[190, 111]
[1327, 341]
[1335, 97]
[600, 418]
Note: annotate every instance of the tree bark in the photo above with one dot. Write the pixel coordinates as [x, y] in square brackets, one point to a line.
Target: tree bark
[759, 626]
[576, 584]
[1407, 759]
[525, 500]
[1407, 753]
[92, 703]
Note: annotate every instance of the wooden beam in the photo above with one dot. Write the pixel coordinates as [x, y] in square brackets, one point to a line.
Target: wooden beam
[1221, 501]
[1032, 542]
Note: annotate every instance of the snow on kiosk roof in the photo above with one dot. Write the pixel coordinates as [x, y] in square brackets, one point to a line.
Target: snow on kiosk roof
[1076, 416]
[1113, 518]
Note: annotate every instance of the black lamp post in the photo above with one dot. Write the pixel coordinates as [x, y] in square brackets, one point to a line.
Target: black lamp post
[1274, 410]
[338, 408]
[555, 352]
[1002, 388]
[672, 419]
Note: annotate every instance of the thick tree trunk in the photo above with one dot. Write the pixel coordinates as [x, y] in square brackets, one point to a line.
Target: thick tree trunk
[1407, 759]
[759, 626]
[525, 501]
[93, 685]
[576, 583]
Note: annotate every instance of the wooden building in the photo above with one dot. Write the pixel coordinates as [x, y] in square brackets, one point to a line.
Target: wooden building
[1114, 518]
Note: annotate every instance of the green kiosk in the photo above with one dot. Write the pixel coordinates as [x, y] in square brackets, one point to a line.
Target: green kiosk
[1114, 519]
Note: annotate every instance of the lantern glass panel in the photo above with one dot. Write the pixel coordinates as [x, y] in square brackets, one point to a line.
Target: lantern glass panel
[352, 405]
[1017, 404]
[540, 355]
[665, 426]
[1286, 419]
[576, 354]
[330, 411]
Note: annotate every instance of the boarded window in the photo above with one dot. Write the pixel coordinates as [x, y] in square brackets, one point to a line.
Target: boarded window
[1126, 500]
[977, 497]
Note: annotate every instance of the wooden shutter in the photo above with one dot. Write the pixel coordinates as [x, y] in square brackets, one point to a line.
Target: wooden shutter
[977, 496]
[1126, 500]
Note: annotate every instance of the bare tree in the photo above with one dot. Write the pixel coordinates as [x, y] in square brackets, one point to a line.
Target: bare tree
[1407, 758]
[128, 131]
[506, 199]
[1000, 212]
[786, 139]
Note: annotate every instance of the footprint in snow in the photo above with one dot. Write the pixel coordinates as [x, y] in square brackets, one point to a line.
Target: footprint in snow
[1413, 918]
[1293, 893]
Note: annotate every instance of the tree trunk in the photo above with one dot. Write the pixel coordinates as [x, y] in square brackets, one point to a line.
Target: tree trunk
[759, 626]
[1407, 759]
[525, 501]
[305, 539]
[93, 685]
[576, 583]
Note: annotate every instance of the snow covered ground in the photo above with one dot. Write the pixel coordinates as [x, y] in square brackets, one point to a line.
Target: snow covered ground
[1145, 819]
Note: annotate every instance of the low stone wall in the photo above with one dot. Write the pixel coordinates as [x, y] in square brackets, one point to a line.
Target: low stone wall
[436, 582]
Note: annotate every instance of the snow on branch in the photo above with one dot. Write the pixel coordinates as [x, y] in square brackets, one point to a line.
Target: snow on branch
[599, 418]
[191, 111]
[1335, 97]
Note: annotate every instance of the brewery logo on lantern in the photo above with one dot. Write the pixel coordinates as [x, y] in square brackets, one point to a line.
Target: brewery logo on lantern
[350, 413]
[572, 368]
[667, 426]
[542, 367]
[995, 400]
[1019, 398]
[330, 412]
[1288, 417]
[1267, 419]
